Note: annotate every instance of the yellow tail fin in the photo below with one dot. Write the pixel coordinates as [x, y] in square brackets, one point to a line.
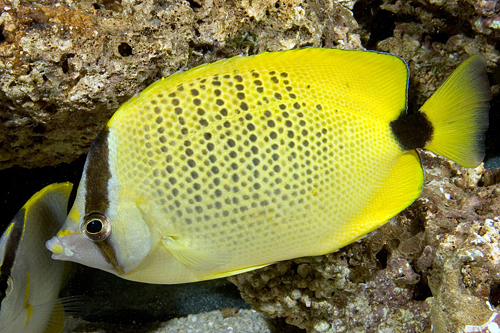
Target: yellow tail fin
[458, 111]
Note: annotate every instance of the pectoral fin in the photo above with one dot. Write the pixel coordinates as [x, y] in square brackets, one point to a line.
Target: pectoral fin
[199, 260]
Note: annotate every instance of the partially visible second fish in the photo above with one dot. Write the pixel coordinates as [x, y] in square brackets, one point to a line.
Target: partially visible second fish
[29, 279]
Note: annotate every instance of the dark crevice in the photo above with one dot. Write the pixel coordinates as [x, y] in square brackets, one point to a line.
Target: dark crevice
[435, 38]
[51, 109]
[492, 158]
[194, 4]
[422, 291]
[125, 50]
[378, 23]
[2, 36]
[112, 5]
[382, 256]
[39, 129]
[382, 27]
[279, 325]
[494, 297]
[65, 64]
[203, 49]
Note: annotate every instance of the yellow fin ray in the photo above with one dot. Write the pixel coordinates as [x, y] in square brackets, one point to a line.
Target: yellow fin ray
[59, 308]
[458, 111]
[56, 321]
[199, 260]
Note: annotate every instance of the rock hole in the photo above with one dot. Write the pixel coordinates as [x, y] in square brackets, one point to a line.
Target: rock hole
[494, 296]
[64, 63]
[378, 23]
[50, 109]
[125, 50]
[39, 129]
[96, 6]
[436, 38]
[422, 291]
[2, 36]
[194, 4]
[382, 256]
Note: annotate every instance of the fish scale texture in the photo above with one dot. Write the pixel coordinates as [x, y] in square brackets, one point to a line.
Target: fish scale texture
[255, 153]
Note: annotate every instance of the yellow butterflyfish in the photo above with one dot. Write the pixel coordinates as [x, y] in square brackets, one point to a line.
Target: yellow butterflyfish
[238, 164]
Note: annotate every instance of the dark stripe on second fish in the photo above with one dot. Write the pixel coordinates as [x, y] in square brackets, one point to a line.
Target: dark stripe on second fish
[97, 175]
[11, 246]
[413, 130]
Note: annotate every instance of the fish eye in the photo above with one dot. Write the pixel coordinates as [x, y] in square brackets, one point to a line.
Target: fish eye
[96, 227]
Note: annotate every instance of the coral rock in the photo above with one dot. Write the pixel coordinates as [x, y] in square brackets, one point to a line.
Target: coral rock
[65, 67]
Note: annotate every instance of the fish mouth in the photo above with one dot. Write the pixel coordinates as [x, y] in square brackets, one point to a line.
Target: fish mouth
[59, 251]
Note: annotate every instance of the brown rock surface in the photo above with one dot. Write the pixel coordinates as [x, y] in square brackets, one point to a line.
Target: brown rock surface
[66, 67]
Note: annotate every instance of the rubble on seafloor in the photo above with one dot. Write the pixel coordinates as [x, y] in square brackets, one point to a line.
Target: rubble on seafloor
[436, 264]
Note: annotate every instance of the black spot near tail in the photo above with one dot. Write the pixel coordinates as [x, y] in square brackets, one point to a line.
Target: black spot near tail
[412, 130]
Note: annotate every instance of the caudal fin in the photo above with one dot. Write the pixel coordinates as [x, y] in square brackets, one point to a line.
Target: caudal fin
[458, 112]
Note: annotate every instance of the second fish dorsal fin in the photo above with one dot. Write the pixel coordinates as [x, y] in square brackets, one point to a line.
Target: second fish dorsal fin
[197, 259]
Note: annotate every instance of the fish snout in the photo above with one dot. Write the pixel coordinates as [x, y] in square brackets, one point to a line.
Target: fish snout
[59, 251]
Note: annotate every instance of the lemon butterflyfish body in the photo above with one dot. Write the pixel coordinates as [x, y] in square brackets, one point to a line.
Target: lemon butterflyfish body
[29, 279]
[238, 164]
